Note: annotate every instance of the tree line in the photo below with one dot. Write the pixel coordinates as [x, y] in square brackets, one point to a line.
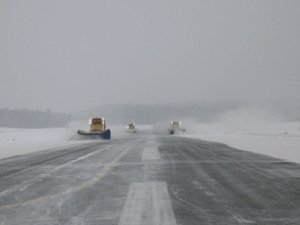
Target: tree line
[24, 118]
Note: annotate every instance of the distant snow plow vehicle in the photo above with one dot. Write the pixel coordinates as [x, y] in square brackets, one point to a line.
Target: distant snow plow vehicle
[131, 128]
[176, 127]
[97, 129]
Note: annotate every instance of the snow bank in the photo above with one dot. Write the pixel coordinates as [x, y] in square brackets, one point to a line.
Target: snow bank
[22, 141]
[277, 139]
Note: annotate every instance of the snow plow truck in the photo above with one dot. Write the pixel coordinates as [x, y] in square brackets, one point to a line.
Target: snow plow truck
[131, 127]
[175, 127]
[97, 129]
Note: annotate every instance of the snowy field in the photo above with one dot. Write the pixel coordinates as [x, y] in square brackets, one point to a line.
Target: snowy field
[22, 141]
[280, 140]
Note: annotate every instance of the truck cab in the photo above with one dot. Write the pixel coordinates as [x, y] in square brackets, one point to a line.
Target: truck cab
[176, 127]
[97, 125]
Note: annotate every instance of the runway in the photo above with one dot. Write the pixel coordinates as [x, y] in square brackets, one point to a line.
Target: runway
[148, 179]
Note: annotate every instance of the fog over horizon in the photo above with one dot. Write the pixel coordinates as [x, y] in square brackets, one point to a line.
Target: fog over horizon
[74, 55]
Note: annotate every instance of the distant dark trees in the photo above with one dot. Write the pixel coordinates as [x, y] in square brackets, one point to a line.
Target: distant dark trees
[24, 118]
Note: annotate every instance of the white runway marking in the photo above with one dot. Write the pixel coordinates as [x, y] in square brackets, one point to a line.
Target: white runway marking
[150, 142]
[150, 153]
[148, 204]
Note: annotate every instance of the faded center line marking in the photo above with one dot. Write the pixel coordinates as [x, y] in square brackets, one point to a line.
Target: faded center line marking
[148, 204]
[150, 153]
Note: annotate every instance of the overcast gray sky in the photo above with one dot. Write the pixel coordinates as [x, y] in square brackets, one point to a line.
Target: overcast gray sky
[68, 55]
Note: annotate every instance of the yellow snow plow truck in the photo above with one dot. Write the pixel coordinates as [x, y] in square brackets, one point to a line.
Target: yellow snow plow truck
[97, 129]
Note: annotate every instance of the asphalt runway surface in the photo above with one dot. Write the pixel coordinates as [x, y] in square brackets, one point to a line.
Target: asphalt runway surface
[148, 180]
